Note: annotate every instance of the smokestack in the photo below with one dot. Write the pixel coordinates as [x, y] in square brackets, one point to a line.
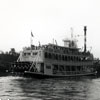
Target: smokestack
[85, 29]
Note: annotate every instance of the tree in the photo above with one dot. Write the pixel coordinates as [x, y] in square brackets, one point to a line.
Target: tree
[12, 51]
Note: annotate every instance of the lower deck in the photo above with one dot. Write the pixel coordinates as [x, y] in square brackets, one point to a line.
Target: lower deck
[53, 69]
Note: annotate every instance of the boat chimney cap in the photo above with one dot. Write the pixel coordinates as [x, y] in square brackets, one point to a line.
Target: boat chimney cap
[85, 28]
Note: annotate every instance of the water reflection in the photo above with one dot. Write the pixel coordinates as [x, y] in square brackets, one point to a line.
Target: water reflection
[20, 88]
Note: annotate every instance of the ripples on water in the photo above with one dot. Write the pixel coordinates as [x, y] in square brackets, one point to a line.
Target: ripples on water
[20, 88]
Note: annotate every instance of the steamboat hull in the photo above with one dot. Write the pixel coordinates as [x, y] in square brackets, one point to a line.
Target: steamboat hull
[42, 76]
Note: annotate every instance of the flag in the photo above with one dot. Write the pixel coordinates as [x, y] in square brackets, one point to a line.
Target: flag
[32, 34]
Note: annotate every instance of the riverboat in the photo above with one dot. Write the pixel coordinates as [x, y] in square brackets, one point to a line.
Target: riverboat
[51, 60]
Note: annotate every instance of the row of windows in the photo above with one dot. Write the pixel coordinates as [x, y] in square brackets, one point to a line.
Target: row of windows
[65, 68]
[48, 67]
[64, 51]
[63, 57]
[28, 54]
[70, 68]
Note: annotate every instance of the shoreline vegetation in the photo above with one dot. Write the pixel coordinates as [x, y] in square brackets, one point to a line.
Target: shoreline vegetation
[6, 59]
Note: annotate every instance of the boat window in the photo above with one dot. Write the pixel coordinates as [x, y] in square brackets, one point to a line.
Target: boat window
[28, 53]
[50, 55]
[65, 58]
[67, 68]
[46, 55]
[48, 67]
[71, 58]
[56, 57]
[73, 68]
[59, 57]
[61, 68]
[53, 56]
[24, 54]
[74, 58]
[77, 58]
[55, 67]
[78, 68]
[42, 67]
[34, 53]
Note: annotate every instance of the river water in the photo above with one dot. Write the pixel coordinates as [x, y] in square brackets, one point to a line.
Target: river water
[21, 88]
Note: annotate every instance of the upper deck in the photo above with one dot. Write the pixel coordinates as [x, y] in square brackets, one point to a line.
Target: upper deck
[44, 51]
[52, 48]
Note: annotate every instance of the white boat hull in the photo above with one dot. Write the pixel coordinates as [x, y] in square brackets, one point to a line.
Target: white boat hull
[41, 75]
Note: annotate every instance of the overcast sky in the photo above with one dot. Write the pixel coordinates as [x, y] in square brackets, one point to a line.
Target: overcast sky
[48, 19]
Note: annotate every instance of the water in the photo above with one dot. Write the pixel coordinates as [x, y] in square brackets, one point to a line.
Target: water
[21, 88]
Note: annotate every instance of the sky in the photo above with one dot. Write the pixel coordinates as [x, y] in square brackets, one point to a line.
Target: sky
[48, 19]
